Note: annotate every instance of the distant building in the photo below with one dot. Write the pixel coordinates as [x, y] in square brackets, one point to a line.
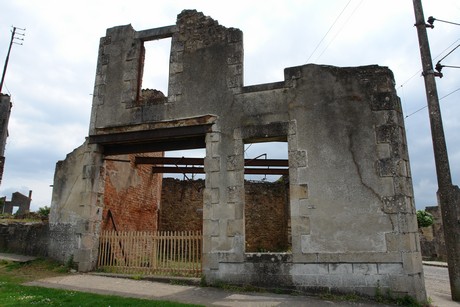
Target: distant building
[17, 200]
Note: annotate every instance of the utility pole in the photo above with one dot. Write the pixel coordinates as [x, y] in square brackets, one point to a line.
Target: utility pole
[12, 41]
[448, 194]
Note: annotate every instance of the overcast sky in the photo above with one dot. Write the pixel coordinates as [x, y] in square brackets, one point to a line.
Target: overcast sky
[51, 76]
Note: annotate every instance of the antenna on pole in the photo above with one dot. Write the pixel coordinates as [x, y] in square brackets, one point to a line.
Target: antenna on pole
[17, 37]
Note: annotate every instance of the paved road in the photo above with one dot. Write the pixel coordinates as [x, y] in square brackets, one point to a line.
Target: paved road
[437, 285]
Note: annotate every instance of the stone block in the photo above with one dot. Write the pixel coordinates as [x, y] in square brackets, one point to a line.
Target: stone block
[407, 222]
[212, 164]
[222, 243]
[398, 203]
[235, 227]
[310, 269]
[384, 101]
[383, 151]
[390, 268]
[386, 167]
[298, 191]
[386, 133]
[340, 268]
[210, 261]
[412, 262]
[298, 159]
[300, 225]
[365, 268]
[223, 211]
[304, 258]
[210, 228]
[235, 194]
[403, 242]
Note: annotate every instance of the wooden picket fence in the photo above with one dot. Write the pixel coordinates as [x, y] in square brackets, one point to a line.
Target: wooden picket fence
[151, 253]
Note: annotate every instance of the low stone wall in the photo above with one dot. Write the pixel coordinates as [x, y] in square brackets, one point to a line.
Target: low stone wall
[25, 238]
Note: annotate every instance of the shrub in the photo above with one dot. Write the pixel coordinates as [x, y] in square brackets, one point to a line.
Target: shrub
[44, 212]
[424, 219]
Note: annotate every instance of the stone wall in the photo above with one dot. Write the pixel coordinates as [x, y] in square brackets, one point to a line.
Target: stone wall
[24, 238]
[353, 220]
[181, 207]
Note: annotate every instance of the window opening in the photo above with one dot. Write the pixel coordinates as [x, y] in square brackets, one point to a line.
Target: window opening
[155, 71]
[266, 185]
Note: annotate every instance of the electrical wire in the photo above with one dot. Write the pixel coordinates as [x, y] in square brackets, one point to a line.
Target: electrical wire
[427, 105]
[343, 26]
[316, 48]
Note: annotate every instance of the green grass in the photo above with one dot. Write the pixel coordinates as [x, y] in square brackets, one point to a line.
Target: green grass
[13, 293]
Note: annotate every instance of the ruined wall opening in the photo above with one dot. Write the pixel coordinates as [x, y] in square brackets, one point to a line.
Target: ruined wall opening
[181, 206]
[266, 185]
[155, 69]
[131, 193]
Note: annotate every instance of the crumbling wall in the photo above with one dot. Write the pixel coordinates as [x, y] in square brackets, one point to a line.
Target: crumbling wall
[131, 194]
[17, 200]
[181, 205]
[25, 238]
[352, 214]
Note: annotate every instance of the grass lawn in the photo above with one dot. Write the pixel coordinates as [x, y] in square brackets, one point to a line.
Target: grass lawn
[13, 293]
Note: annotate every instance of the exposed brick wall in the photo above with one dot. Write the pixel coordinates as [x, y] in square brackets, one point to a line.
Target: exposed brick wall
[132, 194]
[266, 213]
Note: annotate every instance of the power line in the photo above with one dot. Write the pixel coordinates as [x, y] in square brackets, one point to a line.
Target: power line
[419, 71]
[329, 30]
[427, 106]
[335, 36]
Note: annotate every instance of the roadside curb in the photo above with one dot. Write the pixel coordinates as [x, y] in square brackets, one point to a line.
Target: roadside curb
[436, 263]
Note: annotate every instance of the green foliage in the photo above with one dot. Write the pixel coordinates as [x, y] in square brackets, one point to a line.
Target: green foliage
[424, 219]
[44, 212]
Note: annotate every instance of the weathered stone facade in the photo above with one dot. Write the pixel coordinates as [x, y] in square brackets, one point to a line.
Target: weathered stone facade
[352, 215]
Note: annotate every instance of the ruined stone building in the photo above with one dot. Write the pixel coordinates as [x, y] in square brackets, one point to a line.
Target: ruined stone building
[351, 215]
[5, 111]
[19, 201]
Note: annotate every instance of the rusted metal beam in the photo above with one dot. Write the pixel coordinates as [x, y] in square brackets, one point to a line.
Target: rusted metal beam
[200, 170]
[200, 161]
[175, 144]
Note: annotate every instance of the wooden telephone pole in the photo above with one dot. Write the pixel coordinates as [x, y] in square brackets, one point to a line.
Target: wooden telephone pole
[14, 38]
[448, 194]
